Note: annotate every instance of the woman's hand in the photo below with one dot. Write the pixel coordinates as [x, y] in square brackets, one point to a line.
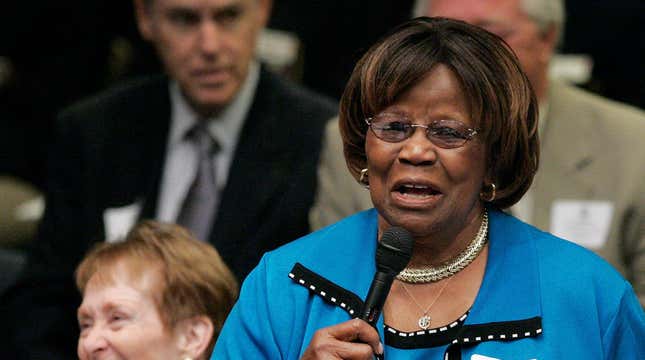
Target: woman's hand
[353, 339]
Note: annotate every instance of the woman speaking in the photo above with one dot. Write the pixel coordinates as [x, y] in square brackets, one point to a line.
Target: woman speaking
[440, 124]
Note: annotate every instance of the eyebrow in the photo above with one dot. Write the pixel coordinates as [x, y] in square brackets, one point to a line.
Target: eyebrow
[111, 306]
[184, 8]
[107, 307]
[395, 110]
[229, 7]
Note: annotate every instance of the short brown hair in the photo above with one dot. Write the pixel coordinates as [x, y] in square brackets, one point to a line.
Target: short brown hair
[501, 100]
[195, 279]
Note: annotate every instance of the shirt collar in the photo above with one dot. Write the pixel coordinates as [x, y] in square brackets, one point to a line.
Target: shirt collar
[226, 126]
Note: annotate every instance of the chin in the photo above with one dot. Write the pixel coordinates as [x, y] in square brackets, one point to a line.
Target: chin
[418, 223]
[211, 102]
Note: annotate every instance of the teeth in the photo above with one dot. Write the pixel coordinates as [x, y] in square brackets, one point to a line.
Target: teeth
[415, 186]
[416, 190]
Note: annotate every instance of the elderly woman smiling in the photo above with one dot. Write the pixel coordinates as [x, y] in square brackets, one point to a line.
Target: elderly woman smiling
[440, 123]
[160, 294]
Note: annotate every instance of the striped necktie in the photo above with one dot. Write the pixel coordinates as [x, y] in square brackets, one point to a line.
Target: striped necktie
[199, 208]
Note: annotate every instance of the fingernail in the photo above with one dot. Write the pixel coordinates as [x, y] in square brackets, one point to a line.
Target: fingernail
[380, 348]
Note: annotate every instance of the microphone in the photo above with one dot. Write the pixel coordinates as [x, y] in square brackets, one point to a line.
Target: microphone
[392, 255]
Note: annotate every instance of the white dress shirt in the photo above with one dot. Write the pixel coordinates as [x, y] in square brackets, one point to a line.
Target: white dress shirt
[181, 154]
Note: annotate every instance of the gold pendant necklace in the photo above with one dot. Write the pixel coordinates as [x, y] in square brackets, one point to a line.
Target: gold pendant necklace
[425, 319]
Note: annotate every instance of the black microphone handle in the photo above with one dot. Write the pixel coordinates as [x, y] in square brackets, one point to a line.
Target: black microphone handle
[376, 297]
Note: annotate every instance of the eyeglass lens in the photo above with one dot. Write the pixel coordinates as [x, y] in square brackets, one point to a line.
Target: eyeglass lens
[443, 133]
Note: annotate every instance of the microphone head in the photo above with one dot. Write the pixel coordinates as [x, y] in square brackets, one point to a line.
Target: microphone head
[394, 250]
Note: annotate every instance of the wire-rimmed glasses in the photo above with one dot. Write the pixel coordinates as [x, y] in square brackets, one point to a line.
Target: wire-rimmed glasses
[447, 134]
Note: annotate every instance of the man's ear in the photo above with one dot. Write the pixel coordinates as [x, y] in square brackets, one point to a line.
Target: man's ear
[144, 18]
[264, 13]
[194, 335]
[550, 40]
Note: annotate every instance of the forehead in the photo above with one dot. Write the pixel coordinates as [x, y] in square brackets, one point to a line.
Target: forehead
[103, 296]
[439, 85]
[202, 4]
[476, 11]
[439, 92]
[101, 293]
[144, 277]
[441, 82]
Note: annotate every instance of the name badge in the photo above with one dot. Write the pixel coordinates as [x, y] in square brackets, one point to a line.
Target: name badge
[118, 221]
[482, 357]
[584, 222]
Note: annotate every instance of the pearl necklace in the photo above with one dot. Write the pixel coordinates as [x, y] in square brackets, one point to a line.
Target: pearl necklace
[451, 267]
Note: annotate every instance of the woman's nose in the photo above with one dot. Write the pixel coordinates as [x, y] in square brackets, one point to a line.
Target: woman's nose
[418, 149]
[93, 341]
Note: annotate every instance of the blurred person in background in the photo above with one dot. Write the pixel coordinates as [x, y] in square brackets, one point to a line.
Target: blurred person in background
[589, 188]
[160, 294]
[217, 144]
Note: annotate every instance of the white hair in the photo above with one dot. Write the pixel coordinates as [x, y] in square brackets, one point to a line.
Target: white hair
[545, 13]
[419, 8]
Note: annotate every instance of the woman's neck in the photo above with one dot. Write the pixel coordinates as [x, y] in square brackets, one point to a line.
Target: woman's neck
[441, 246]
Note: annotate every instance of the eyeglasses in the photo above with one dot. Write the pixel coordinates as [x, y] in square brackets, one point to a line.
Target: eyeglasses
[447, 134]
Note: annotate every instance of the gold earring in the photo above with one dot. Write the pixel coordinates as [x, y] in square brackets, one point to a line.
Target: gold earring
[488, 196]
[364, 179]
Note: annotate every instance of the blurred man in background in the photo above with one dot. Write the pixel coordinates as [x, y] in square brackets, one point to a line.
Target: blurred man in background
[219, 145]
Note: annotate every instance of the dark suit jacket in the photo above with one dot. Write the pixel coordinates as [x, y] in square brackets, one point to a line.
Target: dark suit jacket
[110, 152]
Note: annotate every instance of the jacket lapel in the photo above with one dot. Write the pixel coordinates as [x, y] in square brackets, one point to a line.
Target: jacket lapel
[567, 154]
[257, 172]
[151, 132]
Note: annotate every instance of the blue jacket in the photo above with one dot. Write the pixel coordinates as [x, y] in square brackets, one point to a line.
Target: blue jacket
[541, 298]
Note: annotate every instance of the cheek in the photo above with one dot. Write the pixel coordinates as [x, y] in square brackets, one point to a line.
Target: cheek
[145, 343]
[529, 49]
[468, 169]
[380, 155]
[380, 158]
[175, 55]
[145, 337]
[369, 148]
[242, 46]
[79, 350]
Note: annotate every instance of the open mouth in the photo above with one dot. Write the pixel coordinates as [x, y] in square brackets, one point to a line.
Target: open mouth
[416, 190]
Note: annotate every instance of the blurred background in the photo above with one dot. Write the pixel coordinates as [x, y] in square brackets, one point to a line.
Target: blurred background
[53, 53]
